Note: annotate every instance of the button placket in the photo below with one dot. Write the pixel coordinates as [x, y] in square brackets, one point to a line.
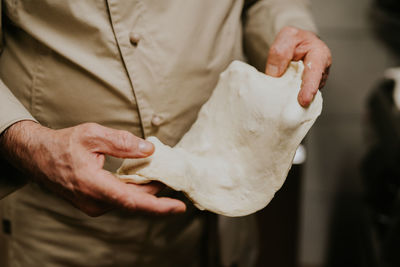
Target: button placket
[124, 42]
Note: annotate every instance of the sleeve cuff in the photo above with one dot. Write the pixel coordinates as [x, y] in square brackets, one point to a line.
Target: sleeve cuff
[7, 124]
[11, 109]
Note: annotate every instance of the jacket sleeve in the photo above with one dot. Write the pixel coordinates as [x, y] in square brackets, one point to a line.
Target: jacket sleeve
[11, 111]
[263, 19]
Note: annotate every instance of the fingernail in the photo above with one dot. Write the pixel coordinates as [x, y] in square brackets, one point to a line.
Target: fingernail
[306, 99]
[300, 98]
[145, 147]
[272, 70]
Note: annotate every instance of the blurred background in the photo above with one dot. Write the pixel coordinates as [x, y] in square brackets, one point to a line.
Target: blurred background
[336, 225]
[323, 216]
[342, 207]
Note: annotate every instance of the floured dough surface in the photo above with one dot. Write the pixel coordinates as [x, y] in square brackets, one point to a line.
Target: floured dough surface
[239, 151]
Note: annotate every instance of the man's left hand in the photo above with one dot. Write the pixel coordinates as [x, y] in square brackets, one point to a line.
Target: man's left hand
[295, 44]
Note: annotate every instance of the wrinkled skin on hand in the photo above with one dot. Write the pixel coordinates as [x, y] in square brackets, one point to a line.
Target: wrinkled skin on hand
[293, 44]
[70, 162]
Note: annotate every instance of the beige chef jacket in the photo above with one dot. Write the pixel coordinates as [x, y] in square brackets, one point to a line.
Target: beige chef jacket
[142, 66]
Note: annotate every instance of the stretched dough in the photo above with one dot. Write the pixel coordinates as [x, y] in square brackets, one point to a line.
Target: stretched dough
[239, 151]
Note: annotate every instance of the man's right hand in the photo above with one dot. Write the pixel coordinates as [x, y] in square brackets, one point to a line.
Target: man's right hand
[70, 163]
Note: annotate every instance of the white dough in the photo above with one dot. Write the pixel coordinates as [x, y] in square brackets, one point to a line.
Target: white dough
[239, 151]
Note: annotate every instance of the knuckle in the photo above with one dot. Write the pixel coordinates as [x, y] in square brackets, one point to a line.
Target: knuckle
[89, 129]
[121, 198]
[323, 48]
[125, 135]
[278, 53]
[290, 30]
[124, 141]
[128, 202]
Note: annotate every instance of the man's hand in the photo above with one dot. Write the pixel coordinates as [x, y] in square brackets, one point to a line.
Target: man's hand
[70, 163]
[296, 44]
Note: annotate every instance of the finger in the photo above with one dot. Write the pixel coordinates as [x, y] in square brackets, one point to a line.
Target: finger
[325, 75]
[84, 202]
[91, 207]
[116, 143]
[157, 205]
[282, 51]
[151, 188]
[313, 70]
[110, 189]
[95, 206]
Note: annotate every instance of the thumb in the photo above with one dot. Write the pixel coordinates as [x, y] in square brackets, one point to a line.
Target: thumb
[118, 143]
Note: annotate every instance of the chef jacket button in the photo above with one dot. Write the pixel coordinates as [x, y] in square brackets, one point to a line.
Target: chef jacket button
[134, 38]
[156, 120]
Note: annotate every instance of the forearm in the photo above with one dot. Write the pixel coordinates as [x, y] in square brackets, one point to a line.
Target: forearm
[17, 144]
[12, 157]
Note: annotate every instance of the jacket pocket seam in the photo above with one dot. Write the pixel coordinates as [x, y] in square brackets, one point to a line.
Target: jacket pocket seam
[37, 82]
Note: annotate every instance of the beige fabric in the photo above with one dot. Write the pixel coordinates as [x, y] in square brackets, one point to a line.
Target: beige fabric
[68, 62]
[42, 237]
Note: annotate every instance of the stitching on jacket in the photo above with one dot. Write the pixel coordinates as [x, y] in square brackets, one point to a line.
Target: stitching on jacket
[38, 75]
